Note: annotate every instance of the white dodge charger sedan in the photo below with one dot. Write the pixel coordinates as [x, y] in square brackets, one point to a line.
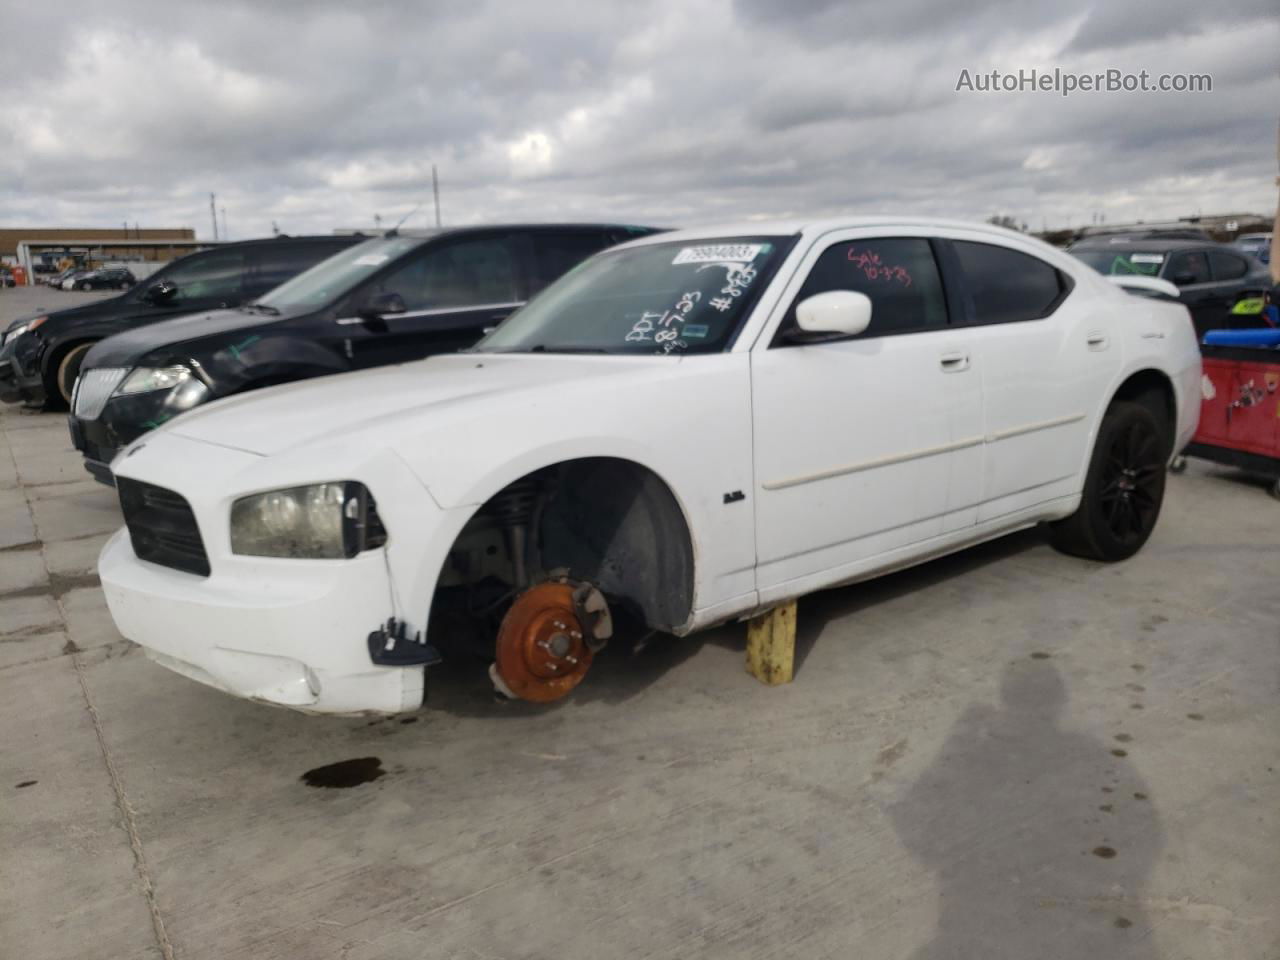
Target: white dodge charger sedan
[687, 429]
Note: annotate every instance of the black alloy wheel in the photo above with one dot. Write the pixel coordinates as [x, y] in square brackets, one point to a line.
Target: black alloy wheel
[1132, 482]
[1123, 490]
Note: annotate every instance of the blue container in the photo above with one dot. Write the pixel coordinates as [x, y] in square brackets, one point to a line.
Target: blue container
[1242, 338]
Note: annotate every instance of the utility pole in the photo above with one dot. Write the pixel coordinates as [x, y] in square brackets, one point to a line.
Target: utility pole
[213, 212]
[226, 234]
[435, 189]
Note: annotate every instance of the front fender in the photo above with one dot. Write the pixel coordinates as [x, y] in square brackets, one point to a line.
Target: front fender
[260, 359]
[690, 428]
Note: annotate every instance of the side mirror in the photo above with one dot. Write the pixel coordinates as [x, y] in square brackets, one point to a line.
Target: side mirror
[380, 305]
[1182, 279]
[836, 313]
[160, 292]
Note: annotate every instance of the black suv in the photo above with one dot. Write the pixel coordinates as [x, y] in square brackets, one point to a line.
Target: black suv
[106, 278]
[40, 356]
[1212, 278]
[395, 298]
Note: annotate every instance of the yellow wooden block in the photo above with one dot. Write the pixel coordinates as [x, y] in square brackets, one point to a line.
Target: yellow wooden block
[771, 645]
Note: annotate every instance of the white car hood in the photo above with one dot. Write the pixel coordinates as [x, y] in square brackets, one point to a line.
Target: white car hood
[267, 422]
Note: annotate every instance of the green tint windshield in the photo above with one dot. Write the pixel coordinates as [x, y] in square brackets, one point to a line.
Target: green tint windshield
[662, 298]
[1122, 262]
[335, 277]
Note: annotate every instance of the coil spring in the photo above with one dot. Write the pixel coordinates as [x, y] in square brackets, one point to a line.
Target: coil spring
[513, 507]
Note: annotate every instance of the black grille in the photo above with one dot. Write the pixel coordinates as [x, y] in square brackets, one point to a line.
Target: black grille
[162, 527]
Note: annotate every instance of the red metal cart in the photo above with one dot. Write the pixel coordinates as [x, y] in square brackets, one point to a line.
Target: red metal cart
[1240, 411]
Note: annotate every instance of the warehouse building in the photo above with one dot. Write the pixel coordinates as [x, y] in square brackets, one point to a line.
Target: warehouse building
[36, 250]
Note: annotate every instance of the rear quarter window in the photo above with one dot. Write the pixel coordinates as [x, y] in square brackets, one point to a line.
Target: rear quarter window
[1188, 267]
[1008, 286]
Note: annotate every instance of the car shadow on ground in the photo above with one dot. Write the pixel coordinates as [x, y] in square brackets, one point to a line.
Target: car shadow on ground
[1241, 478]
[817, 610]
[629, 664]
[632, 662]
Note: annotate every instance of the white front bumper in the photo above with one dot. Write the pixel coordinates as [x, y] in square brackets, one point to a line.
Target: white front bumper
[283, 632]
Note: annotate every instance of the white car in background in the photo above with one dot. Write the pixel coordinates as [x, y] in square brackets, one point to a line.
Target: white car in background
[692, 427]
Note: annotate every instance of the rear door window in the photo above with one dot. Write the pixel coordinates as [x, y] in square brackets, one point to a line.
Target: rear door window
[217, 275]
[1227, 266]
[281, 260]
[462, 273]
[1188, 267]
[1008, 286]
[555, 254]
[898, 274]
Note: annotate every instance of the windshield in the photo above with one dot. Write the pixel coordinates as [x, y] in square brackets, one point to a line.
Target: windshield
[1122, 263]
[678, 297]
[330, 279]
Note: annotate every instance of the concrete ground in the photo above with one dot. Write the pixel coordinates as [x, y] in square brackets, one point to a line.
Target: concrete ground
[1004, 754]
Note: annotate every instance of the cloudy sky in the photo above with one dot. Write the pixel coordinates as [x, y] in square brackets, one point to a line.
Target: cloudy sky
[322, 114]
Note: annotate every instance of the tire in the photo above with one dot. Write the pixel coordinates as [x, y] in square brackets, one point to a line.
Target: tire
[64, 379]
[86, 286]
[1123, 489]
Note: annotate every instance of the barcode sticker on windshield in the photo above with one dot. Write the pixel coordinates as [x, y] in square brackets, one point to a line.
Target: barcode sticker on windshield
[1146, 257]
[371, 260]
[719, 253]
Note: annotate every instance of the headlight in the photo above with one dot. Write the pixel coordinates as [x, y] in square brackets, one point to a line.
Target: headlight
[13, 333]
[147, 379]
[321, 521]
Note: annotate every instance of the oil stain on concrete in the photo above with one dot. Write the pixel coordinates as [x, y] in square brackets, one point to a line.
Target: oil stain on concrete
[345, 774]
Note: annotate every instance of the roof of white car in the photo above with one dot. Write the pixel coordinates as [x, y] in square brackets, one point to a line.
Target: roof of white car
[766, 228]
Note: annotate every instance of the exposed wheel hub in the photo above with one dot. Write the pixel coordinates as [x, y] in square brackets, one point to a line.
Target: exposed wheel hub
[547, 640]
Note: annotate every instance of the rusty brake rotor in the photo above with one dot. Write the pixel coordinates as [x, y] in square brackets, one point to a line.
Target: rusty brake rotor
[547, 639]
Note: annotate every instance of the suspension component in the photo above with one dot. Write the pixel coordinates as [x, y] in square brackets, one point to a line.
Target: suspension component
[548, 638]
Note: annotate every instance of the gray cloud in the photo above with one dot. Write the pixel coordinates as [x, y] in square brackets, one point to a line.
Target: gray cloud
[1112, 26]
[318, 115]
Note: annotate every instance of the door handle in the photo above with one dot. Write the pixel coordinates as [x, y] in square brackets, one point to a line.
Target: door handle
[1097, 340]
[954, 362]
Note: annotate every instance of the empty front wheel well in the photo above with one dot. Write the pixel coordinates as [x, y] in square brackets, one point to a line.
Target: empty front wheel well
[607, 521]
